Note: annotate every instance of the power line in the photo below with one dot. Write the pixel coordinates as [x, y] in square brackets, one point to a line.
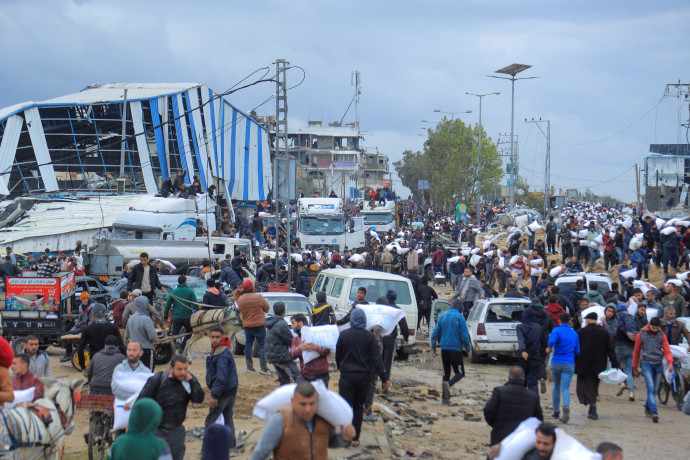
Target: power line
[617, 132]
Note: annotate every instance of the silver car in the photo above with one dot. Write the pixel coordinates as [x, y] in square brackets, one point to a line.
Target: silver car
[491, 325]
[294, 304]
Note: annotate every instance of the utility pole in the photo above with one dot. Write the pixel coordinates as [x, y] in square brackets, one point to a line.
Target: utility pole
[637, 182]
[547, 165]
[479, 162]
[280, 178]
[122, 141]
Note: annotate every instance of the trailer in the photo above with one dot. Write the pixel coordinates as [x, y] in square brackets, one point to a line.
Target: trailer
[378, 217]
[37, 306]
[321, 222]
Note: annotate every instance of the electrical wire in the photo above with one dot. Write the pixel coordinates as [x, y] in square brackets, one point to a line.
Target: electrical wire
[614, 134]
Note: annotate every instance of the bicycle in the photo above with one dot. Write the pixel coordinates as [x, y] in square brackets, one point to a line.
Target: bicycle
[100, 436]
[676, 387]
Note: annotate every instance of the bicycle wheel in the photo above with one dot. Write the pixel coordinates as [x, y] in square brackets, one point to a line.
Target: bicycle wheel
[107, 437]
[94, 436]
[679, 393]
[664, 390]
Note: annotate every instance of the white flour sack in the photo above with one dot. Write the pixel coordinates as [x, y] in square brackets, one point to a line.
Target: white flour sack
[520, 441]
[331, 406]
[382, 315]
[130, 383]
[325, 336]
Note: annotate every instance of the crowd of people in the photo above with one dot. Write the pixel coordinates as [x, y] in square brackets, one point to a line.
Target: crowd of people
[639, 324]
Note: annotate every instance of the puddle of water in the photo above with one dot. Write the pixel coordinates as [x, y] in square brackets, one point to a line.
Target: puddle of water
[426, 362]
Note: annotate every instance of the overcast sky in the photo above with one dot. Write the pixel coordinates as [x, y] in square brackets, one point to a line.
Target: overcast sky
[603, 67]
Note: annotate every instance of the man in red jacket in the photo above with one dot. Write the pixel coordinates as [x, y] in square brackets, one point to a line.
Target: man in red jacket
[23, 379]
[318, 367]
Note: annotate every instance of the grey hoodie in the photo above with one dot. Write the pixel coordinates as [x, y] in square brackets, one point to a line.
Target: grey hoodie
[140, 326]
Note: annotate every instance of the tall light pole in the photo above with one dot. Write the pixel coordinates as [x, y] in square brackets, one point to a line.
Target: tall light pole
[479, 163]
[452, 118]
[512, 70]
[547, 165]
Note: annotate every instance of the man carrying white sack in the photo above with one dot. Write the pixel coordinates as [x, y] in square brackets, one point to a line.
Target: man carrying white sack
[297, 432]
[130, 365]
[357, 356]
[543, 447]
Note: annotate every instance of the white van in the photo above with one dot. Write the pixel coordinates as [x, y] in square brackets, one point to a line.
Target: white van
[341, 285]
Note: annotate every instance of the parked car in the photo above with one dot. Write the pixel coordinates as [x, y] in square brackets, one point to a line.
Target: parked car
[294, 304]
[98, 292]
[491, 325]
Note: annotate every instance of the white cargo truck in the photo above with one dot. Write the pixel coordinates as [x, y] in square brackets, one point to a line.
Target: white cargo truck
[380, 217]
[321, 222]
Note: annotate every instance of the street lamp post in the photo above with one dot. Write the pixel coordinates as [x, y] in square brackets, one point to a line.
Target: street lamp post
[452, 118]
[479, 163]
[512, 70]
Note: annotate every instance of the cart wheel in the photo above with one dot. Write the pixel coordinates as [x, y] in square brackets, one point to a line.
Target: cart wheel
[75, 360]
[18, 345]
[163, 353]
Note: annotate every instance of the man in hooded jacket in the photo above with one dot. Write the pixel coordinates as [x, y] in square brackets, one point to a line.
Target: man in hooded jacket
[357, 356]
[213, 296]
[531, 340]
[451, 332]
[139, 442]
[277, 348]
[323, 313]
[140, 329]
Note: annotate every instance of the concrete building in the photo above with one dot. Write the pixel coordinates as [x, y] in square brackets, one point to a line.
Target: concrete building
[330, 158]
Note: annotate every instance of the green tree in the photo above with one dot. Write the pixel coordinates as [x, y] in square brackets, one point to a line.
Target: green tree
[450, 161]
[409, 169]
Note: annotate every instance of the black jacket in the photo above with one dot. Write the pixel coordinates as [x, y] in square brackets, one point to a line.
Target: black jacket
[170, 394]
[229, 276]
[427, 295]
[134, 280]
[217, 300]
[278, 340]
[266, 273]
[509, 406]
[221, 373]
[94, 336]
[512, 294]
[9, 269]
[322, 314]
[595, 347]
[531, 337]
[357, 351]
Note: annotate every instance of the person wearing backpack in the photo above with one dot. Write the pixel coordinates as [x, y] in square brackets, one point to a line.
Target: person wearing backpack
[303, 280]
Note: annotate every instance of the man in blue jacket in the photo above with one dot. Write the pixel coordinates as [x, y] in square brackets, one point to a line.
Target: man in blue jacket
[451, 332]
[221, 379]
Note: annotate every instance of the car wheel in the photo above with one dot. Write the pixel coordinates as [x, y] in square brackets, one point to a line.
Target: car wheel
[163, 353]
[237, 348]
[18, 345]
[401, 355]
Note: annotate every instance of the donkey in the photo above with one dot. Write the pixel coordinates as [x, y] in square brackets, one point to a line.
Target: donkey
[43, 424]
[202, 321]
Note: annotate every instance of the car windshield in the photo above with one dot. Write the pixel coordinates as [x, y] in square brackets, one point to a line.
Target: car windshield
[322, 225]
[505, 313]
[380, 218]
[293, 305]
[378, 288]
